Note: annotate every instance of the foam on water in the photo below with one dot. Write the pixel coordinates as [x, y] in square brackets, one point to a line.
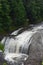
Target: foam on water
[11, 57]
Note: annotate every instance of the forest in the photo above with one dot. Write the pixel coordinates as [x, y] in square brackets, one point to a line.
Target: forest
[19, 13]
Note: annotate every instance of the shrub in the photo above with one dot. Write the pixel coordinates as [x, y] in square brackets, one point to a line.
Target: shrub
[1, 47]
[4, 63]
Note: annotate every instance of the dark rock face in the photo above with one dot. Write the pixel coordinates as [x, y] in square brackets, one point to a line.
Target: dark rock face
[1, 58]
[35, 51]
[2, 61]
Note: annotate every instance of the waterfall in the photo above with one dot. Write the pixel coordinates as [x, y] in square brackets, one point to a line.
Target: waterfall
[21, 41]
[19, 46]
[16, 45]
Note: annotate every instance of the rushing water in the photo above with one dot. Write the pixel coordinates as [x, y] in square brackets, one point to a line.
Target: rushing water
[16, 49]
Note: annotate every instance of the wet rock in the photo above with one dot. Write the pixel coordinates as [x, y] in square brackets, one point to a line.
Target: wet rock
[2, 61]
[35, 51]
[1, 58]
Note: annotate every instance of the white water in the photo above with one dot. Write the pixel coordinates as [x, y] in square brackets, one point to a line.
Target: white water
[16, 57]
[18, 47]
[13, 45]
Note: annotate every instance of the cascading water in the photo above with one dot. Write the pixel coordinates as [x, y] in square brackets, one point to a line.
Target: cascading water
[18, 47]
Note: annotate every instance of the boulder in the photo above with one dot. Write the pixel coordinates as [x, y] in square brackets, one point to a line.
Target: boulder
[35, 50]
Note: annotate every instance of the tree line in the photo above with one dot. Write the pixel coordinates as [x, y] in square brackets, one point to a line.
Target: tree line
[19, 13]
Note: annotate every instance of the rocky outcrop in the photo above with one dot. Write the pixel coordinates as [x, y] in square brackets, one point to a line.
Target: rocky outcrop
[1, 58]
[35, 51]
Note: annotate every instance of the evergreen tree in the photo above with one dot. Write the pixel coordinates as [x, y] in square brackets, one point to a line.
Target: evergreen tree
[12, 14]
[34, 10]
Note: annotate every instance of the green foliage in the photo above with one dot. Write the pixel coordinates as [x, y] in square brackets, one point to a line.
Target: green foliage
[5, 20]
[18, 12]
[14, 13]
[4, 64]
[34, 9]
[42, 63]
[1, 47]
